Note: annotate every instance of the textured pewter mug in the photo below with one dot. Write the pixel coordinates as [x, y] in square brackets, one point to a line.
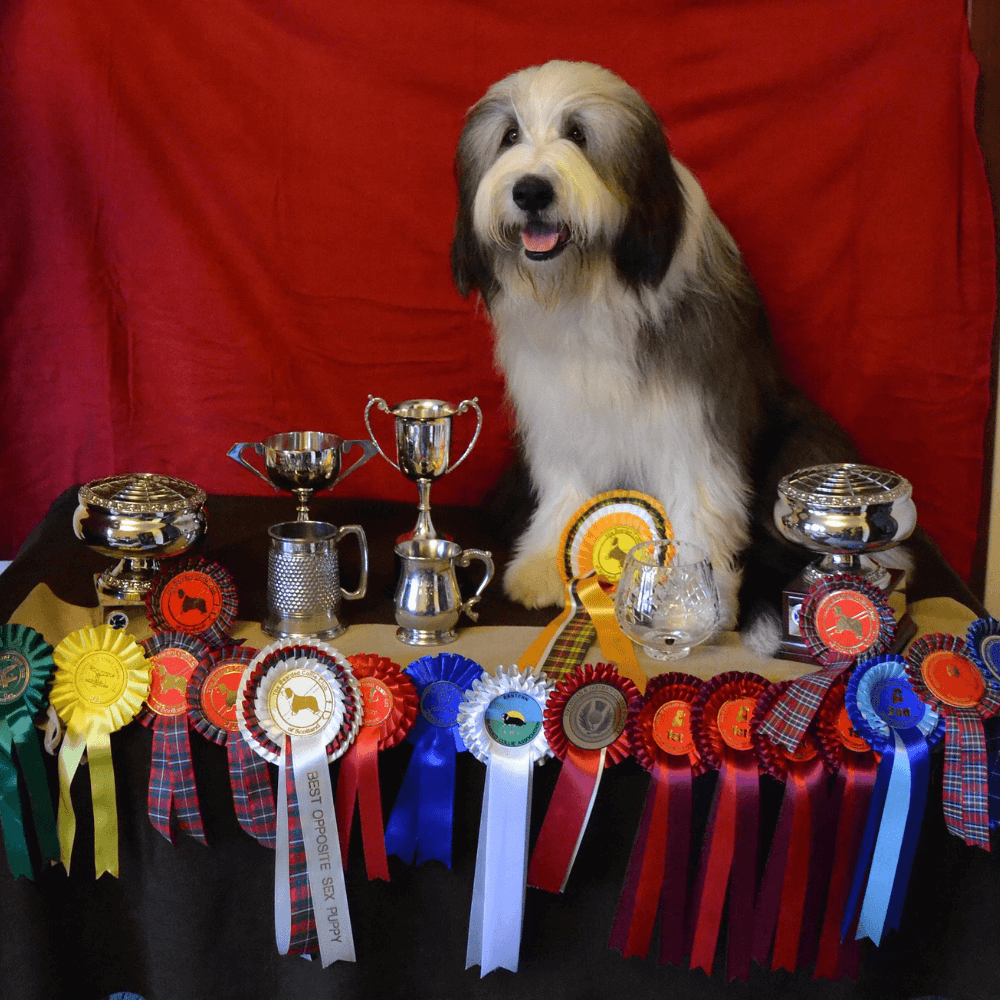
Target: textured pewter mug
[303, 579]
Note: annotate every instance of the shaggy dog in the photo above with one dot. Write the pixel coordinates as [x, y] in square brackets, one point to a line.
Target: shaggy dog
[633, 340]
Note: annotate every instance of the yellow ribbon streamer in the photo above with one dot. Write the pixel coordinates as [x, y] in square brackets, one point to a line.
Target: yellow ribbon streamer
[615, 645]
[538, 650]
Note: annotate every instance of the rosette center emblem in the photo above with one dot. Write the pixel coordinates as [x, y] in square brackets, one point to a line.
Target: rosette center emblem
[302, 702]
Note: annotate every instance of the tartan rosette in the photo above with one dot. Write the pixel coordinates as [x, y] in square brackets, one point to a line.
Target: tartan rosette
[389, 710]
[211, 701]
[983, 640]
[945, 675]
[846, 618]
[721, 726]
[195, 596]
[173, 793]
[656, 883]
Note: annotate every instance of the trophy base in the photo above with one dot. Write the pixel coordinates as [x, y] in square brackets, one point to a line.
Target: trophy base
[793, 645]
[426, 637]
[124, 586]
[289, 628]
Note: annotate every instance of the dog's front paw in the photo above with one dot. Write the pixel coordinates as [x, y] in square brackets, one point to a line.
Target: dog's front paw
[533, 580]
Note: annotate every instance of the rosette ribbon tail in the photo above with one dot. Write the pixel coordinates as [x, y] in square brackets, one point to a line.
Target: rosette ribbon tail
[657, 872]
[966, 791]
[615, 645]
[11, 818]
[501, 863]
[420, 825]
[358, 782]
[729, 859]
[29, 757]
[253, 798]
[566, 819]
[173, 794]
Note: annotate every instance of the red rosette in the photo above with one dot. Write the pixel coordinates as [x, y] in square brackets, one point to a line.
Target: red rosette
[390, 709]
[656, 883]
[846, 754]
[194, 596]
[787, 908]
[944, 672]
[584, 723]
[212, 691]
[172, 800]
[721, 724]
[845, 618]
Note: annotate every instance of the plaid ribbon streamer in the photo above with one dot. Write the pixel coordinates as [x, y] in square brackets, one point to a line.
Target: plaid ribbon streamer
[789, 718]
[964, 789]
[303, 939]
[173, 794]
[252, 795]
[571, 645]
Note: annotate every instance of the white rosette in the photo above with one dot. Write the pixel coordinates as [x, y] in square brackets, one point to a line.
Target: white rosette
[302, 701]
[500, 721]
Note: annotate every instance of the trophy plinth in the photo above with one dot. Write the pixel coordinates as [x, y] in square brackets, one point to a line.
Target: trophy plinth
[845, 512]
[423, 447]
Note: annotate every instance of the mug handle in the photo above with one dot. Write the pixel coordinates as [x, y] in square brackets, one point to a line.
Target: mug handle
[384, 407]
[463, 559]
[356, 529]
[368, 450]
[462, 408]
[236, 454]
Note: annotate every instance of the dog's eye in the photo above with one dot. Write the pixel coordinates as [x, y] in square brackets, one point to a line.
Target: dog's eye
[575, 134]
[510, 137]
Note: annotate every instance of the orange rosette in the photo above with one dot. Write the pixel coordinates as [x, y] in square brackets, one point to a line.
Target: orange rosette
[721, 719]
[390, 706]
[660, 735]
[585, 725]
[847, 755]
[102, 678]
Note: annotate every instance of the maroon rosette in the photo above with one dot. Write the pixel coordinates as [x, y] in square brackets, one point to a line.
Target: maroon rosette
[194, 596]
[172, 799]
[847, 755]
[944, 672]
[585, 724]
[211, 704]
[785, 914]
[846, 618]
[390, 709]
[721, 725]
[659, 732]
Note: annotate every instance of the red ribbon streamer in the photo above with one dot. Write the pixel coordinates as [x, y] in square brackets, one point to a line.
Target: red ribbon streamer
[563, 824]
[358, 780]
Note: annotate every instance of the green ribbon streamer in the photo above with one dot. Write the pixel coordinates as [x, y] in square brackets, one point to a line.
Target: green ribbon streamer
[29, 756]
[10, 813]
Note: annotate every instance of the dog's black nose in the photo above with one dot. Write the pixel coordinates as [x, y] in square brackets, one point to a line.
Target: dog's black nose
[533, 193]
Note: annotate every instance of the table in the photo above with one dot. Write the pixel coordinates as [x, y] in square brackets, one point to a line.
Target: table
[191, 922]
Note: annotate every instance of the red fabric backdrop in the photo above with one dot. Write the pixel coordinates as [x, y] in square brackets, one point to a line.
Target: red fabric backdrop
[227, 218]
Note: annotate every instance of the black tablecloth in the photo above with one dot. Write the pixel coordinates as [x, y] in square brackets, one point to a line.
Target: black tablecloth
[191, 922]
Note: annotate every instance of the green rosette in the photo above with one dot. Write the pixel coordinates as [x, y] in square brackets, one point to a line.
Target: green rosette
[26, 667]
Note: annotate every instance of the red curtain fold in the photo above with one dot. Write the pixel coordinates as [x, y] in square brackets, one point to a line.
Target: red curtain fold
[223, 220]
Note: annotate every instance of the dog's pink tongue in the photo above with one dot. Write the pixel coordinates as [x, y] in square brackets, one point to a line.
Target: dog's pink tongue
[540, 242]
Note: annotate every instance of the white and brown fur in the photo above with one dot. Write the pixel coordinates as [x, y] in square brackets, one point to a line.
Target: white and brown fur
[636, 351]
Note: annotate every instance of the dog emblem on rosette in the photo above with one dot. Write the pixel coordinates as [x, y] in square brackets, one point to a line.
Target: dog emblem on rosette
[633, 340]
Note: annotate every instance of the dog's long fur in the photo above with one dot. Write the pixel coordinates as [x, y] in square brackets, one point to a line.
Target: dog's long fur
[636, 349]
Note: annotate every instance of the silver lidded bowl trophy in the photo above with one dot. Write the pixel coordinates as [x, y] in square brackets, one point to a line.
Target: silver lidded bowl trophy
[846, 512]
[138, 518]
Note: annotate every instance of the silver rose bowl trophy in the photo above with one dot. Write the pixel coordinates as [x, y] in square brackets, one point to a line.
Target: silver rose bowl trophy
[845, 513]
[139, 519]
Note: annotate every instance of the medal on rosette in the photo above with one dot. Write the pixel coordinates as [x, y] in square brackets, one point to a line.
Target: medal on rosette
[944, 674]
[854, 764]
[194, 596]
[592, 553]
[844, 619]
[211, 708]
[894, 722]
[102, 678]
[25, 669]
[782, 916]
[983, 639]
[173, 794]
[299, 706]
[721, 725]
[500, 720]
[420, 824]
[584, 723]
[389, 709]
[659, 733]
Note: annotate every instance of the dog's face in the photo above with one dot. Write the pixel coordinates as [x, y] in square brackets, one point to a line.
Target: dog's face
[561, 168]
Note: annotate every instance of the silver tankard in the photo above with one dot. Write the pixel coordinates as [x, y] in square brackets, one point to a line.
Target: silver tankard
[428, 601]
[303, 579]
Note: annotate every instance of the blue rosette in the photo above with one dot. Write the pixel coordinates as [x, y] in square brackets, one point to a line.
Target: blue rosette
[886, 712]
[420, 825]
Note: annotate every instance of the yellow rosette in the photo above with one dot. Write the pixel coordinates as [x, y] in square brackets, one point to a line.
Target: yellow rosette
[101, 680]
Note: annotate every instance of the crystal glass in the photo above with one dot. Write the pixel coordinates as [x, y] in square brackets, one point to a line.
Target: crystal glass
[666, 600]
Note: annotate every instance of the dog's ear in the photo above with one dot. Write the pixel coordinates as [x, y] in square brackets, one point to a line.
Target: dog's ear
[655, 219]
[470, 265]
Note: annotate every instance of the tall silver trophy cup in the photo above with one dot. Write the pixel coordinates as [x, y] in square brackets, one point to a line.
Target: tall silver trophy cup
[423, 446]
